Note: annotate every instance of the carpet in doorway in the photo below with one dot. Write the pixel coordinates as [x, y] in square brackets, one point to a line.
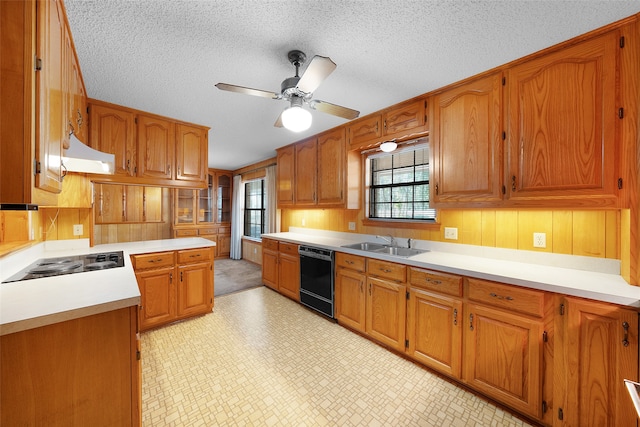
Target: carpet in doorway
[233, 275]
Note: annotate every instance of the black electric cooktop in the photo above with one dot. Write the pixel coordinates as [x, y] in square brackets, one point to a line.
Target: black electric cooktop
[48, 267]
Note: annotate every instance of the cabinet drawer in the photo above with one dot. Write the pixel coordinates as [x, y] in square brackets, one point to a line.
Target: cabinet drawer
[352, 262]
[207, 231]
[154, 260]
[288, 248]
[224, 230]
[186, 233]
[387, 270]
[270, 244]
[194, 255]
[512, 298]
[432, 280]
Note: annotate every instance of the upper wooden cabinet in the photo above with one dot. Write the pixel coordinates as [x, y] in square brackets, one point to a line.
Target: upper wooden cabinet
[286, 175]
[113, 131]
[561, 125]
[306, 164]
[396, 121]
[191, 153]
[115, 204]
[466, 143]
[52, 130]
[319, 172]
[156, 144]
[149, 149]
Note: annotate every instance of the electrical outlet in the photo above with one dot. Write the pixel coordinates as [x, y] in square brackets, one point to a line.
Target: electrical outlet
[451, 233]
[77, 230]
[539, 240]
[352, 226]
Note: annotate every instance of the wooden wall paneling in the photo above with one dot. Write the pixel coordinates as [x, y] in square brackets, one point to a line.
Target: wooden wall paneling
[612, 234]
[252, 251]
[471, 233]
[133, 203]
[153, 204]
[507, 233]
[626, 251]
[488, 233]
[14, 226]
[562, 238]
[589, 233]
[530, 222]
[451, 218]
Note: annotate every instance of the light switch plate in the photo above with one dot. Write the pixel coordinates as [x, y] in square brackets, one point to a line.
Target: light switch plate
[352, 226]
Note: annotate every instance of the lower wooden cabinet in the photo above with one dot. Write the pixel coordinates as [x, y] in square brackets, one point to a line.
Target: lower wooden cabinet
[350, 297]
[502, 357]
[80, 372]
[386, 312]
[281, 267]
[597, 348]
[174, 285]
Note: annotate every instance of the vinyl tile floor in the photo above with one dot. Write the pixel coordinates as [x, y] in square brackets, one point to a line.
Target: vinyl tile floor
[261, 359]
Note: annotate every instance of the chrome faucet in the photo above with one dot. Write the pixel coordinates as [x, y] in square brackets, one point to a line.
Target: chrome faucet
[409, 243]
[389, 238]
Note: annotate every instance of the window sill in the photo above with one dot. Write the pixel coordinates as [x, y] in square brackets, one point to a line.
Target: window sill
[422, 225]
[252, 239]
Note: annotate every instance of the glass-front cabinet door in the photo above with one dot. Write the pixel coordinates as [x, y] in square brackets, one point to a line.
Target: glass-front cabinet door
[185, 205]
[205, 202]
[224, 198]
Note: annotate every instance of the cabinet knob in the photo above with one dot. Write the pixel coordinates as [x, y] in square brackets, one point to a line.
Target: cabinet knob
[471, 322]
[435, 282]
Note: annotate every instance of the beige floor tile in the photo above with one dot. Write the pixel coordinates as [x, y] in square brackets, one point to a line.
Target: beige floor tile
[261, 359]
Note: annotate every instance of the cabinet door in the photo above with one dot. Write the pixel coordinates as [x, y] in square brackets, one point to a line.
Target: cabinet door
[223, 197]
[350, 299]
[152, 204]
[270, 275]
[503, 357]
[195, 289]
[223, 245]
[306, 173]
[156, 143]
[286, 175]
[386, 312]
[331, 168]
[133, 203]
[109, 203]
[365, 130]
[434, 331]
[185, 205]
[562, 123]
[289, 284]
[467, 143]
[600, 349]
[191, 153]
[52, 131]
[158, 297]
[404, 117]
[113, 131]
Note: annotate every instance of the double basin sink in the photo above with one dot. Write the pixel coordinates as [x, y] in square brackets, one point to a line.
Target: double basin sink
[379, 248]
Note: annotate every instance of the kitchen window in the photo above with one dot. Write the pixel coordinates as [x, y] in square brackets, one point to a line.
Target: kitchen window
[254, 208]
[399, 185]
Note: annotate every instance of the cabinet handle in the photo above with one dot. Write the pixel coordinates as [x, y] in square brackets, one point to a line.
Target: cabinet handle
[348, 261]
[436, 189]
[169, 167]
[513, 183]
[155, 260]
[494, 295]
[128, 165]
[361, 287]
[471, 322]
[455, 316]
[194, 256]
[435, 282]
[625, 341]
[386, 270]
[170, 277]
[181, 276]
[369, 288]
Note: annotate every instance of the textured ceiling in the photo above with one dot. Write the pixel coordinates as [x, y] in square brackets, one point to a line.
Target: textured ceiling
[165, 56]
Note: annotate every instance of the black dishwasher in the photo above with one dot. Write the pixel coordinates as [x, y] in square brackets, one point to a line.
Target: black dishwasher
[316, 279]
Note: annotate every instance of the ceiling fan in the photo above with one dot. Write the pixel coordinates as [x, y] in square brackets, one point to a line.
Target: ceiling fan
[298, 90]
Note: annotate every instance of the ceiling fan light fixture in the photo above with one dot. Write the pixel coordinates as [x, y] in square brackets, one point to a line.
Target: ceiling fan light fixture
[296, 118]
[388, 146]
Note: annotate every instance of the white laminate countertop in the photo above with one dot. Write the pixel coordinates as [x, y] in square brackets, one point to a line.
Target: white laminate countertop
[38, 302]
[588, 277]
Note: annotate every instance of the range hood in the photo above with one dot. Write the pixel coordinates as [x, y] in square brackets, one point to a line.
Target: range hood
[81, 158]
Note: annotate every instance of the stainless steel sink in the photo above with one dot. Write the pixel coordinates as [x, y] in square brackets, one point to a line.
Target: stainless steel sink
[401, 252]
[365, 246]
[385, 249]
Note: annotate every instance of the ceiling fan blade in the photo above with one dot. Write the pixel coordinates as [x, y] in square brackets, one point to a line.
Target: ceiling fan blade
[278, 122]
[319, 69]
[336, 110]
[247, 90]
